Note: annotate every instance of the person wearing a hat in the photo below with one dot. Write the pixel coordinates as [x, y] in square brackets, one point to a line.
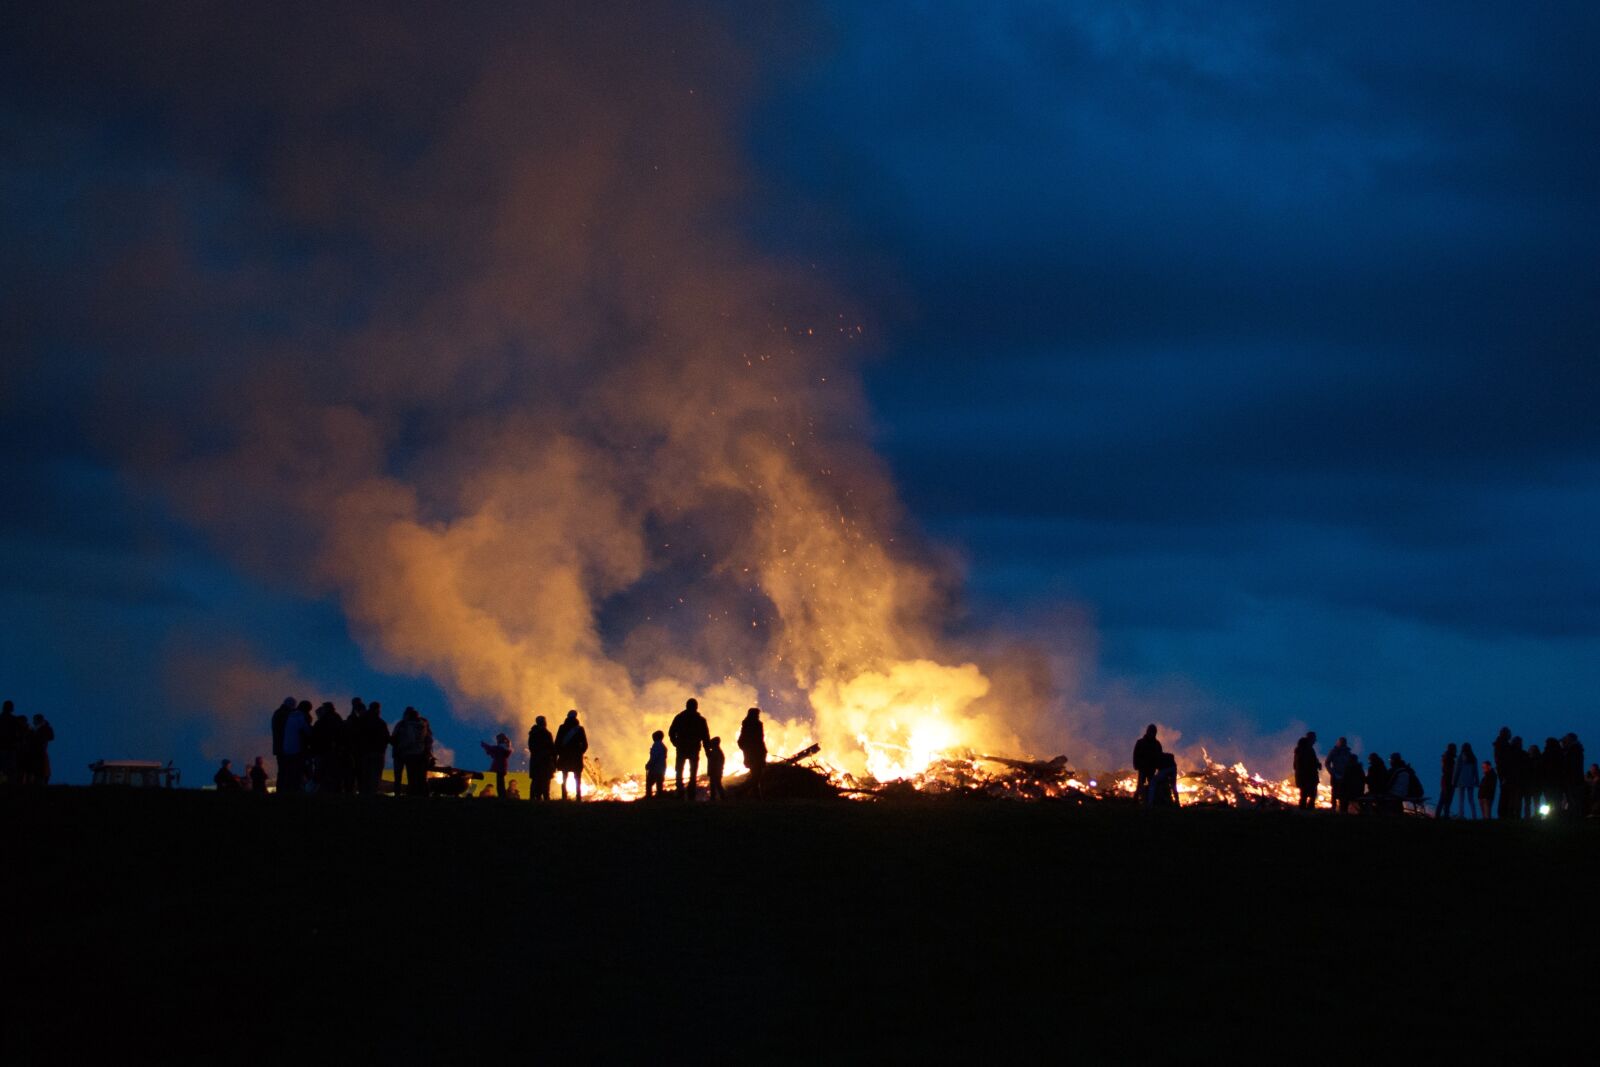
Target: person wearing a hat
[499, 755]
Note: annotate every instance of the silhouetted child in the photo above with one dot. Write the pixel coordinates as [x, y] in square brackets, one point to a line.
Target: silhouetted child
[258, 776]
[655, 768]
[1486, 787]
[714, 761]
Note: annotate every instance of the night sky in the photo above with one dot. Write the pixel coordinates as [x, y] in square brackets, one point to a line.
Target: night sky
[1248, 352]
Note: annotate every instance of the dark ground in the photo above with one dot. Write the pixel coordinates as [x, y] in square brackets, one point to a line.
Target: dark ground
[190, 923]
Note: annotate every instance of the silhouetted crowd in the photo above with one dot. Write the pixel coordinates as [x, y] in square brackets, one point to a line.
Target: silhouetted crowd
[1532, 781]
[322, 751]
[24, 747]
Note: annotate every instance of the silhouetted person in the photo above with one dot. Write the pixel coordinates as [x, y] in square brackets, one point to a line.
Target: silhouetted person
[1514, 778]
[327, 749]
[1574, 788]
[655, 767]
[226, 781]
[714, 762]
[1532, 781]
[688, 734]
[12, 727]
[1592, 786]
[1146, 761]
[541, 759]
[1164, 783]
[572, 741]
[412, 746]
[753, 746]
[1377, 781]
[1554, 773]
[1355, 783]
[258, 776]
[1339, 761]
[296, 749]
[280, 723]
[1404, 784]
[1465, 783]
[370, 739]
[1447, 782]
[1486, 787]
[1504, 773]
[1307, 770]
[499, 761]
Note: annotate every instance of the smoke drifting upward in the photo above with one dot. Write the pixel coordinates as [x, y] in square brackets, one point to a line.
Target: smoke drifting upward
[535, 415]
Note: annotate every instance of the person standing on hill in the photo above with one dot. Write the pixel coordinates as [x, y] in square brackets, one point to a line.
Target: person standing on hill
[1377, 781]
[572, 741]
[753, 746]
[1447, 782]
[1307, 770]
[499, 761]
[1502, 768]
[655, 766]
[371, 746]
[296, 747]
[1486, 786]
[1554, 772]
[36, 751]
[1355, 783]
[412, 746]
[1146, 761]
[327, 747]
[1532, 781]
[12, 727]
[541, 759]
[714, 763]
[688, 734]
[1338, 764]
[1465, 783]
[280, 723]
[1574, 788]
[1514, 779]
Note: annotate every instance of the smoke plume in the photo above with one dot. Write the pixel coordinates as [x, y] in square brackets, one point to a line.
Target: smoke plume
[523, 400]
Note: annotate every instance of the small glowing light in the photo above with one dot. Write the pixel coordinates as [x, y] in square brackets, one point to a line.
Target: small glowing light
[1544, 809]
[1093, 784]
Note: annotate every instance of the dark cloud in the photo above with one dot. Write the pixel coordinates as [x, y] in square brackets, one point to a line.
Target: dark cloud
[1236, 318]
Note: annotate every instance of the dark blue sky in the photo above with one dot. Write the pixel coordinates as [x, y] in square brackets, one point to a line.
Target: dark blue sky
[1266, 338]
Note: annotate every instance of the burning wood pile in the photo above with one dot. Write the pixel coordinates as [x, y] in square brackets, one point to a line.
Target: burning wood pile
[807, 775]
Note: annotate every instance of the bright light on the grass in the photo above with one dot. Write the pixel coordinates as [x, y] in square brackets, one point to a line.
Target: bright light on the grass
[1544, 809]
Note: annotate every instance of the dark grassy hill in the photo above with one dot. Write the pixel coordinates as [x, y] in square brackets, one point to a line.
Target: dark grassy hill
[361, 930]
